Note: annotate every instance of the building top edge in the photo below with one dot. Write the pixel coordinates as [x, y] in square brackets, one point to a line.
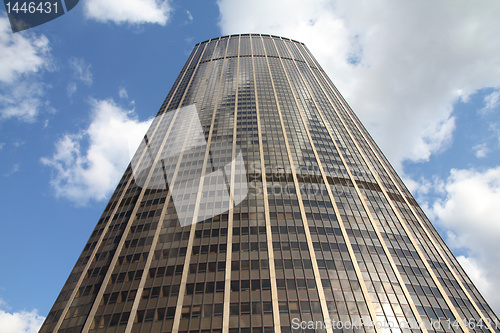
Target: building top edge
[248, 35]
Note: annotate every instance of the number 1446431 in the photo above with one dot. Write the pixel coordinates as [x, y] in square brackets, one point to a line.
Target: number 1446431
[32, 7]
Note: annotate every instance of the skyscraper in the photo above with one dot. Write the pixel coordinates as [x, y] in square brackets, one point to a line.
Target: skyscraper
[258, 202]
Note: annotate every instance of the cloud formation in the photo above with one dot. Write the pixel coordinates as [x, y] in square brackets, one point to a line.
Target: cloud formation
[481, 150]
[471, 214]
[123, 93]
[491, 101]
[88, 165]
[22, 56]
[189, 16]
[129, 11]
[20, 53]
[401, 65]
[20, 322]
[14, 169]
[82, 70]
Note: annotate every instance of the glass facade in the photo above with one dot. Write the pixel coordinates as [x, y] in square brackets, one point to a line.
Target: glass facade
[319, 233]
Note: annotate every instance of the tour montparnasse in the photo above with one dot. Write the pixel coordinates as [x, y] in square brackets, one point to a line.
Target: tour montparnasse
[256, 203]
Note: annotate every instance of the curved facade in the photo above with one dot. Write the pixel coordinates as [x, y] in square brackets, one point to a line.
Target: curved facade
[258, 202]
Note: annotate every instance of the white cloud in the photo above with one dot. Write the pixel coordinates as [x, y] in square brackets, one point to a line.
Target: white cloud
[401, 65]
[88, 165]
[471, 214]
[479, 276]
[481, 150]
[18, 143]
[19, 322]
[15, 168]
[71, 88]
[123, 93]
[22, 56]
[436, 136]
[23, 100]
[82, 70]
[2, 144]
[129, 11]
[20, 53]
[491, 101]
[189, 16]
[423, 186]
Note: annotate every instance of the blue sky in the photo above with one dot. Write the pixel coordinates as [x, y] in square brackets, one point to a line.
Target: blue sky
[424, 77]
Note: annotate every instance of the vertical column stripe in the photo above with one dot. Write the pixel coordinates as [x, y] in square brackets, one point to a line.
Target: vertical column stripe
[269, 236]
[312, 254]
[185, 271]
[229, 251]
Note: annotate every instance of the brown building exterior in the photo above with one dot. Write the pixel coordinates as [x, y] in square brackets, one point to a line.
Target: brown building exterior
[259, 203]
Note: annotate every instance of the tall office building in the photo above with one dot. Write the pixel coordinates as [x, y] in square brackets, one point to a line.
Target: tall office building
[256, 203]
